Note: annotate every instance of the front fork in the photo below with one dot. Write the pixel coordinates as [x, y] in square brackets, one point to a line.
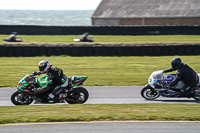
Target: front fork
[28, 93]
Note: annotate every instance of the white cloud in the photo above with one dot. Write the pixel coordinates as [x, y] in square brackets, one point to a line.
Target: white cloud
[50, 4]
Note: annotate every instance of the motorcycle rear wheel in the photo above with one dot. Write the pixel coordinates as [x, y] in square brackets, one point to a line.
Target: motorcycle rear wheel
[79, 95]
[149, 93]
[20, 98]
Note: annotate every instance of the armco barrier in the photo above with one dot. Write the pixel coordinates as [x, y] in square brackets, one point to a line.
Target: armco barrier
[100, 30]
[98, 50]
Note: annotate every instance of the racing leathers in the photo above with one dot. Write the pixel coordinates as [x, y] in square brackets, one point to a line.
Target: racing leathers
[187, 75]
[55, 76]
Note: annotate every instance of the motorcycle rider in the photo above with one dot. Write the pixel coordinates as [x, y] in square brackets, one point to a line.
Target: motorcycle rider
[56, 76]
[12, 38]
[185, 74]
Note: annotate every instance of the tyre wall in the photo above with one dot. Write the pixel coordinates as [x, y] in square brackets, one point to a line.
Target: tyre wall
[100, 30]
[98, 50]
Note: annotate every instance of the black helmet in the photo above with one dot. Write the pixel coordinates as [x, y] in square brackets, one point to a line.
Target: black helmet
[176, 63]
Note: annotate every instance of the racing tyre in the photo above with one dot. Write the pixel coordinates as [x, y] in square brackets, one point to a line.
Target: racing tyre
[79, 95]
[19, 98]
[149, 93]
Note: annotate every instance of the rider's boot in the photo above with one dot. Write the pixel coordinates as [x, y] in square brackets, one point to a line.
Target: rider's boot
[182, 93]
[189, 93]
[52, 98]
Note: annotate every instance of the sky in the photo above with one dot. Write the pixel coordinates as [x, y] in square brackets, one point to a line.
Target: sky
[49, 4]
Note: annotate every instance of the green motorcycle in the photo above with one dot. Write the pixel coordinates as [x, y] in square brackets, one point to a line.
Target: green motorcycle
[26, 94]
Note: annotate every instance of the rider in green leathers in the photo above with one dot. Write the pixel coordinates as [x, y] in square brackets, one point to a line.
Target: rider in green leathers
[56, 80]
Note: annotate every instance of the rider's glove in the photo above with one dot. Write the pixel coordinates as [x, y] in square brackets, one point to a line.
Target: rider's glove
[36, 73]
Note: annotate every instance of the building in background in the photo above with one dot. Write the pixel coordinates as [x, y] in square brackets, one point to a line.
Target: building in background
[147, 12]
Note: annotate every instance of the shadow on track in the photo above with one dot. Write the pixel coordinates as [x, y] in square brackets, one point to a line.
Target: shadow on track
[179, 101]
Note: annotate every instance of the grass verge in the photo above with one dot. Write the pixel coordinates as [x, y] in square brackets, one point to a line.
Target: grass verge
[108, 39]
[60, 113]
[101, 71]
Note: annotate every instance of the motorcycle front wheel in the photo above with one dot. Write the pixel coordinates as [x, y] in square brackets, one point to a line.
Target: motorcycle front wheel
[78, 95]
[149, 93]
[20, 98]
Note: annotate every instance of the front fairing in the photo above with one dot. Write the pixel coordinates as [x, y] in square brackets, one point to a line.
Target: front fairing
[155, 77]
[23, 83]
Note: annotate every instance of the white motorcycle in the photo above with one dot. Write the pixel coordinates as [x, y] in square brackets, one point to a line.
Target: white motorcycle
[158, 86]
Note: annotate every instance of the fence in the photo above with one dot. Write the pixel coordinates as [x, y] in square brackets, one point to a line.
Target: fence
[100, 30]
[98, 50]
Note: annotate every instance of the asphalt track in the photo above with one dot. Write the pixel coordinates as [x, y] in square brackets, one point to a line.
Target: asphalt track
[104, 127]
[108, 95]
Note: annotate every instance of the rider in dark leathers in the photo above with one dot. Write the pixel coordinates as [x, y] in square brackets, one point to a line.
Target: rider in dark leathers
[56, 76]
[185, 74]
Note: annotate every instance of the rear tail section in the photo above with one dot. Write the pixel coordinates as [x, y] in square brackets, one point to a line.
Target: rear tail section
[77, 80]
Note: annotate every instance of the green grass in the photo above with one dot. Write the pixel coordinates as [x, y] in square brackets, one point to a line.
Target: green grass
[103, 71]
[109, 39]
[59, 113]
[109, 71]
